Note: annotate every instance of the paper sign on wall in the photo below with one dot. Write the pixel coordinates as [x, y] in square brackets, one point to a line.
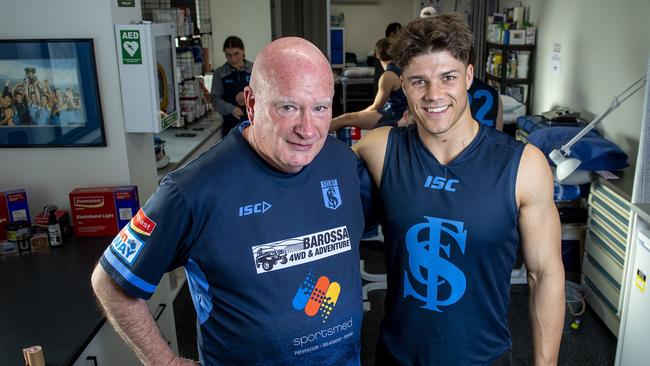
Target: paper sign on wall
[556, 58]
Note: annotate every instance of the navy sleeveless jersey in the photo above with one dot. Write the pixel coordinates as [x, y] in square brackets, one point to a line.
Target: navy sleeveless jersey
[396, 102]
[451, 236]
[484, 102]
[272, 259]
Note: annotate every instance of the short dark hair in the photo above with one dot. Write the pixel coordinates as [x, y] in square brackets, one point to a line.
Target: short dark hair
[447, 32]
[382, 48]
[233, 42]
[392, 28]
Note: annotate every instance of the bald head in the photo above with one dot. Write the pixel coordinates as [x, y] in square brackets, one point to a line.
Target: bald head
[287, 59]
[289, 103]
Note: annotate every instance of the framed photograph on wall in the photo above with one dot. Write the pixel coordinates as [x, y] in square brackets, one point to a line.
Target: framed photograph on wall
[50, 94]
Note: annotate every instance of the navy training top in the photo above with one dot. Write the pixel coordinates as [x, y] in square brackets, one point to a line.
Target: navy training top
[272, 259]
[484, 102]
[451, 236]
[396, 102]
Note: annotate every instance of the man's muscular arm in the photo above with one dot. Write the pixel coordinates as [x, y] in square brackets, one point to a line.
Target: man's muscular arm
[539, 225]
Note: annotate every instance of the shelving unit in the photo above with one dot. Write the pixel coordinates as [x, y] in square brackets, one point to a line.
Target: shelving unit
[502, 80]
[193, 30]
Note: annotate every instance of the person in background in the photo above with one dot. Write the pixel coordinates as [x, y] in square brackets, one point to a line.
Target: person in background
[21, 110]
[44, 113]
[391, 33]
[33, 106]
[6, 110]
[389, 104]
[484, 101]
[458, 199]
[228, 83]
[272, 256]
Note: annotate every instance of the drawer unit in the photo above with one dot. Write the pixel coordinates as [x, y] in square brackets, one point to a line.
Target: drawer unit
[605, 251]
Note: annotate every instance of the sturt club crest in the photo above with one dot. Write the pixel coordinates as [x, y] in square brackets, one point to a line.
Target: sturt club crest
[433, 278]
[331, 194]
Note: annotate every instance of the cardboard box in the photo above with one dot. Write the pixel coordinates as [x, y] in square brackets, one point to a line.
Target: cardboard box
[517, 36]
[102, 211]
[41, 220]
[13, 207]
[530, 35]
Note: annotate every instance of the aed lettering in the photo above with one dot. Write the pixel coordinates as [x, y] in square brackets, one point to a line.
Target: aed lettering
[130, 35]
[441, 183]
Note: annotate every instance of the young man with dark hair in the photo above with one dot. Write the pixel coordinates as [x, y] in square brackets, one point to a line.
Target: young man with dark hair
[458, 200]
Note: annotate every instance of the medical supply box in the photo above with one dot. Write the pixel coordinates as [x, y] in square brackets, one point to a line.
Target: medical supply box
[13, 208]
[102, 211]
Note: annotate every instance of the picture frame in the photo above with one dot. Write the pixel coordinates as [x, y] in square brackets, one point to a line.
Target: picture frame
[50, 94]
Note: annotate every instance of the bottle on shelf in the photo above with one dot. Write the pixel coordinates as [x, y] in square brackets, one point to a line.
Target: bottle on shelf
[54, 229]
[512, 66]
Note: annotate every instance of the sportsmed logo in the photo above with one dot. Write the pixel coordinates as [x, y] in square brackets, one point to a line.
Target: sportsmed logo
[127, 245]
[260, 207]
[427, 254]
[317, 296]
[331, 194]
[142, 224]
[441, 183]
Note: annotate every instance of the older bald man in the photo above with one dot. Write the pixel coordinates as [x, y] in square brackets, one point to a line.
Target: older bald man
[266, 224]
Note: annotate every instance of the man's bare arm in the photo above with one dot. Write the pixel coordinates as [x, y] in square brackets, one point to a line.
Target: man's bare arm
[133, 321]
[372, 150]
[539, 225]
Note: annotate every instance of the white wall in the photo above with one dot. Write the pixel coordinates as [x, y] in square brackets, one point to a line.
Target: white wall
[365, 24]
[604, 47]
[49, 174]
[249, 20]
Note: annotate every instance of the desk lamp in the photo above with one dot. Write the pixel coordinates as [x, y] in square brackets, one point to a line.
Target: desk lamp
[561, 157]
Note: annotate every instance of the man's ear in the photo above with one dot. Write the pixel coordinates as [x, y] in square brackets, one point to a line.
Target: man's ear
[469, 75]
[249, 99]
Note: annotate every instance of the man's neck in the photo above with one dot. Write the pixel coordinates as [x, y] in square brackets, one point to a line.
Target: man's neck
[448, 145]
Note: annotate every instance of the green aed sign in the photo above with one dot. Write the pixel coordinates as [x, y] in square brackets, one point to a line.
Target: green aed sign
[131, 50]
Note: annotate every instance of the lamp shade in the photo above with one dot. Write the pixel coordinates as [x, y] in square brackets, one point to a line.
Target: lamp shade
[565, 168]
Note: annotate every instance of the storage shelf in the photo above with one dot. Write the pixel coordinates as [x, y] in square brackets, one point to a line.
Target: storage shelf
[511, 47]
[504, 81]
[508, 81]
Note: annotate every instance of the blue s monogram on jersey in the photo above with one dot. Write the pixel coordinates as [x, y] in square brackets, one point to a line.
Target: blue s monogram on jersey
[427, 254]
[331, 194]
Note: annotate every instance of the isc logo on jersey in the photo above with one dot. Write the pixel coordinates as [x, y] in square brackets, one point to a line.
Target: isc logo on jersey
[441, 183]
[127, 245]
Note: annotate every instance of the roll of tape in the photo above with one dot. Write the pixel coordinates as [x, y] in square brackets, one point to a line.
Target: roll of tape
[34, 356]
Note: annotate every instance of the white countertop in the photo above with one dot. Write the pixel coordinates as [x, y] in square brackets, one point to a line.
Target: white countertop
[181, 148]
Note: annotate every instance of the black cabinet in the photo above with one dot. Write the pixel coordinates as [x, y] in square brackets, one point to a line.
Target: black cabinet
[517, 83]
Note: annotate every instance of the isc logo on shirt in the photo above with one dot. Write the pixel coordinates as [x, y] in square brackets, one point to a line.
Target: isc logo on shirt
[127, 245]
[441, 183]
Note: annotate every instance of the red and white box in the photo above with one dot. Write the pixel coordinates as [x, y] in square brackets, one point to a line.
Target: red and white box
[13, 207]
[102, 211]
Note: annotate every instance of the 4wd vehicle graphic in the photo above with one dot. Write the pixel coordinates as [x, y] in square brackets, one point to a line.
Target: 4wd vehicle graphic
[269, 257]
